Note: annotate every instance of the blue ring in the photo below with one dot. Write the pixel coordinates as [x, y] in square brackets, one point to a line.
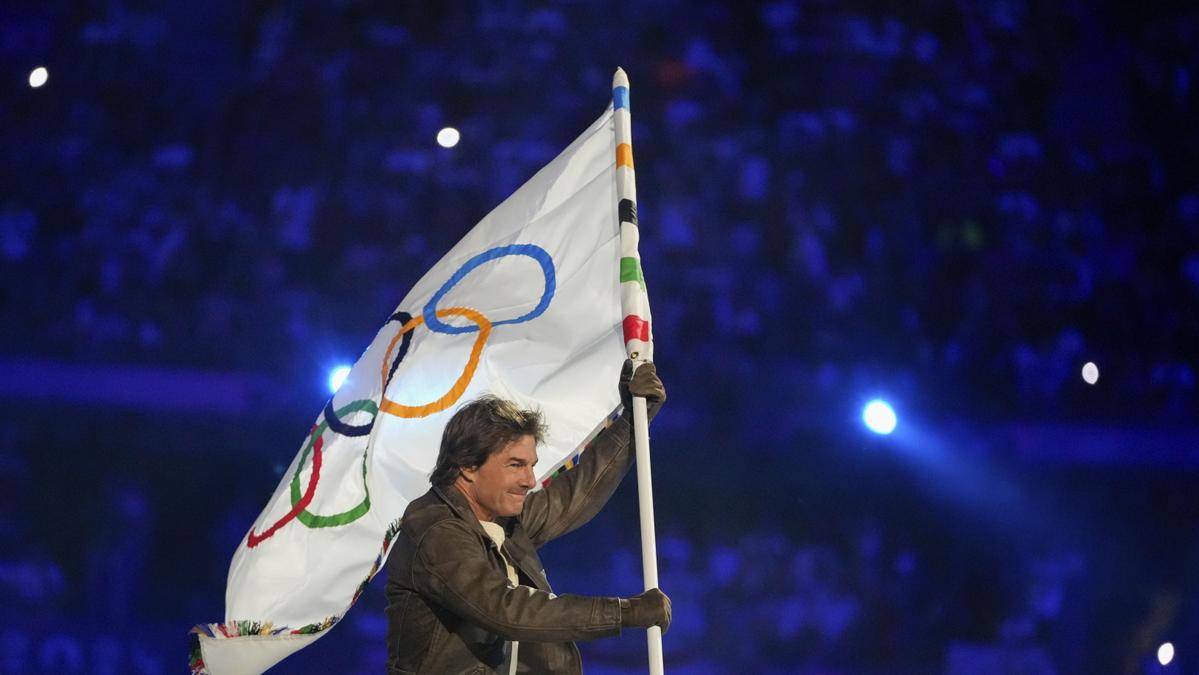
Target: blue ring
[531, 250]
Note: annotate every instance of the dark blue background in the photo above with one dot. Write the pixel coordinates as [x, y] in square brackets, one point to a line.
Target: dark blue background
[950, 205]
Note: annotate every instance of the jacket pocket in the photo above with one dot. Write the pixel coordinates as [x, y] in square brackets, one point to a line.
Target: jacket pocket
[411, 633]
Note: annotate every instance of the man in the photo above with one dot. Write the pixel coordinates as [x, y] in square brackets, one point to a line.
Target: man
[466, 591]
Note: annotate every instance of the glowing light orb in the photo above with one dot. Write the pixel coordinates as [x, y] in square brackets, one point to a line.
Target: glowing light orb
[1165, 653]
[448, 137]
[879, 417]
[1090, 372]
[337, 378]
[38, 77]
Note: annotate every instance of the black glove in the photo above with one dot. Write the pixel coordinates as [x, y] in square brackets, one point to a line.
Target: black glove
[645, 383]
[651, 608]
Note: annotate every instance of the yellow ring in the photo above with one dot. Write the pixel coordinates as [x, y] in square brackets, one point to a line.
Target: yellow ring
[412, 411]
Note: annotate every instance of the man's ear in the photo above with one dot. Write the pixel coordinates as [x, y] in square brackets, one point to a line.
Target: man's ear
[468, 473]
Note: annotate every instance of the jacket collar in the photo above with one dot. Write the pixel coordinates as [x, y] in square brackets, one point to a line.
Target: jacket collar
[454, 498]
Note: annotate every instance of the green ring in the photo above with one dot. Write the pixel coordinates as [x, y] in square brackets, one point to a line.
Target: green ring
[345, 517]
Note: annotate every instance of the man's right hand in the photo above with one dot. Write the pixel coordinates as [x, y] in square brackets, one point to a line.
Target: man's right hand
[651, 608]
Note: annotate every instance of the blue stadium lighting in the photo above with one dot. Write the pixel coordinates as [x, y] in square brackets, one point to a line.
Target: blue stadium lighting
[337, 377]
[879, 417]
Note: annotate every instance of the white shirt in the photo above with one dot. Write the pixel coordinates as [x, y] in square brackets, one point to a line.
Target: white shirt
[497, 534]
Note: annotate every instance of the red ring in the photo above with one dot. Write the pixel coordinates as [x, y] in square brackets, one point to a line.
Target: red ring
[256, 539]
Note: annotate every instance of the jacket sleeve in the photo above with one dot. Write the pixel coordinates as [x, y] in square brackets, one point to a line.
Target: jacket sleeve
[575, 496]
[451, 570]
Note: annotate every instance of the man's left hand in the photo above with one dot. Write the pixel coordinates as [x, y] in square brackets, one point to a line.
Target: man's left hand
[644, 382]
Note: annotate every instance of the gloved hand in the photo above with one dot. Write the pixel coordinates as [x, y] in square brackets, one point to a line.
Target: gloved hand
[651, 608]
[645, 383]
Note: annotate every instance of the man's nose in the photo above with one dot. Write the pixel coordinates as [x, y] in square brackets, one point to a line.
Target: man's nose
[527, 479]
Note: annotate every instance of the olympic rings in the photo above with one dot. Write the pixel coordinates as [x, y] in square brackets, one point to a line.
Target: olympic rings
[431, 317]
[315, 443]
[400, 410]
[533, 251]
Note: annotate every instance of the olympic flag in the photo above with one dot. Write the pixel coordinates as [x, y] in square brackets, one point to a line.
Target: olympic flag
[539, 303]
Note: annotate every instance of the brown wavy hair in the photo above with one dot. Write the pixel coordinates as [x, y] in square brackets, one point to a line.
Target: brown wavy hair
[480, 428]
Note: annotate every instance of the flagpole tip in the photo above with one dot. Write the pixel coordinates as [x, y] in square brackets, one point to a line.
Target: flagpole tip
[620, 79]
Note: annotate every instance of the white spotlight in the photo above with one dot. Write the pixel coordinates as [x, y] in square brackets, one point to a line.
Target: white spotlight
[1165, 653]
[38, 77]
[337, 377]
[1090, 373]
[879, 417]
[448, 137]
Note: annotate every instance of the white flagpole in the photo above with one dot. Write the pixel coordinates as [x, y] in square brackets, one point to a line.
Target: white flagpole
[638, 340]
[649, 544]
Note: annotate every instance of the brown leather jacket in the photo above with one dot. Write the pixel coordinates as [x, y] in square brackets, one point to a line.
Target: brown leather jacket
[450, 606]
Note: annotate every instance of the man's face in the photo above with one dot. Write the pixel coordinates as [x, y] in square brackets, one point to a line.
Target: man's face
[498, 487]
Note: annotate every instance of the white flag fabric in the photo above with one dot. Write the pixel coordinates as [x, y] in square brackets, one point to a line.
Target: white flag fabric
[526, 306]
